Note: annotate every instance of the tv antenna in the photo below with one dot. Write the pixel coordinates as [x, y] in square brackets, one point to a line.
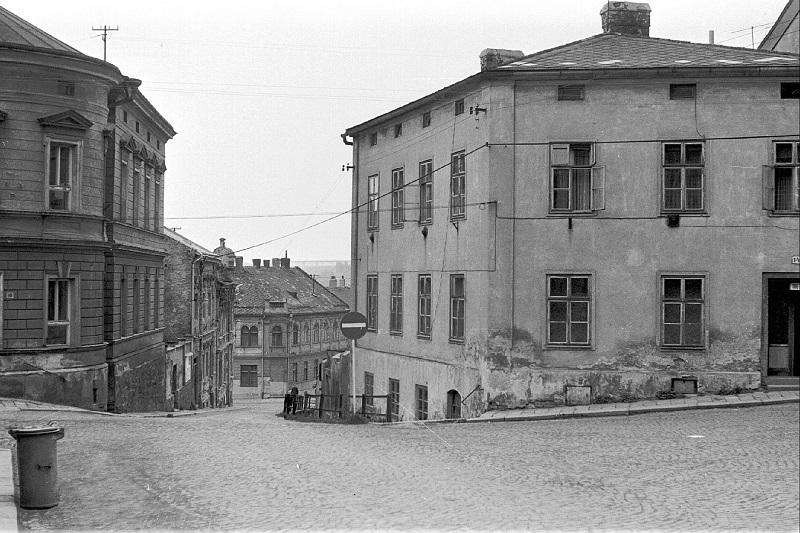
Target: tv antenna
[105, 30]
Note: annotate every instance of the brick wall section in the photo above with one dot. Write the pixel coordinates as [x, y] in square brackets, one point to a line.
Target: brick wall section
[138, 387]
[178, 293]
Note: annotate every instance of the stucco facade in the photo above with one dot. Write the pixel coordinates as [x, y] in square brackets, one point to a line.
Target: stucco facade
[577, 260]
[81, 203]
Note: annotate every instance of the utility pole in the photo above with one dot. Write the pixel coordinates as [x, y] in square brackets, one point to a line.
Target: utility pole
[105, 30]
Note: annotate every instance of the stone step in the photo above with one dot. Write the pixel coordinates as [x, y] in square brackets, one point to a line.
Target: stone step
[773, 388]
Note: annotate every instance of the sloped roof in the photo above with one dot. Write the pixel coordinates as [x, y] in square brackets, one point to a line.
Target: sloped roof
[615, 51]
[611, 52]
[16, 32]
[188, 243]
[782, 25]
[302, 294]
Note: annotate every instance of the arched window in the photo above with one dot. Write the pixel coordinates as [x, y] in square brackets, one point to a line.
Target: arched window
[295, 334]
[277, 336]
[249, 336]
[316, 332]
[306, 334]
[325, 330]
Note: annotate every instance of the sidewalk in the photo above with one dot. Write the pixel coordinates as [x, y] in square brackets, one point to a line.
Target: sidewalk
[648, 406]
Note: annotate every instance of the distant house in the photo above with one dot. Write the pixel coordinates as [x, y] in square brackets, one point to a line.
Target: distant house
[609, 218]
[784, 36]
[286, 325]
[82, 177]
[199, 296]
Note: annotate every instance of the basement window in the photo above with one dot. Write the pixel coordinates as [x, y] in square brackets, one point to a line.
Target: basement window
[790, 90]
[570, 92]
[682, 91]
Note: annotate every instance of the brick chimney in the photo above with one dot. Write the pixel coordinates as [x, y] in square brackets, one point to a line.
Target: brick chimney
[239, 261]
[276, 262]
[626, 18]
[342, 283]
[495, 57]
[257, 263]
[332, 282]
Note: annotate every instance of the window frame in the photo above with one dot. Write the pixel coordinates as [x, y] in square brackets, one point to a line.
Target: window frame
[316, 333]
[459, 107]
[458, 185]
[421, 402]
[398, 200]
[71, 190]
[770, 190]
[372, 302]
[663, 301]
[251, 373]
[563, 93]
[683, 166]
[426, 192]
[426, 119]
[252, 337]
[683, 91]
[563, 158]
[790, 90]
[276, 332]
[394, 392]
[570, 298]
[373, 139]
[424, 306]
[398, 130]
[373, 199]
[396, 305]
[458, 310]
[53, 310]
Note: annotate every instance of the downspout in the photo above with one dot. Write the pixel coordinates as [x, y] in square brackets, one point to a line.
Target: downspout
[513, 211]
[354, 225]
[193, 332]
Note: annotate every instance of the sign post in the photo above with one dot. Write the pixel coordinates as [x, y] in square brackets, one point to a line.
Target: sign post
[354, 325]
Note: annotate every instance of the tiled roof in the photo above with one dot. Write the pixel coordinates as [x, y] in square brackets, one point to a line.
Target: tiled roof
[615, 51]
[301, 293]
[15, 31]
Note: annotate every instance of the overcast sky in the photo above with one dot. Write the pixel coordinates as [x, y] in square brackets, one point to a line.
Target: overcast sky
[260, 92]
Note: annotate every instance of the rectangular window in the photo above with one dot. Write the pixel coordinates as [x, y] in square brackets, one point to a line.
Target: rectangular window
[372, 303]
[137, 305]
[249, 375]
[682, 311]
[67, 88]
[156, 303]
[123, 306]
[398, 130]
[396, 305]
[124, 180]
[398, 205]
[294, 372]
[373, 139]
[369, 387]
[683, 177]
[62, 174]
[58, 312]
[426, 192]
[458, 192]
[147, 303]
[394, 396]
[148, 188]
[137, 185]
[372, 208]
[577, 185]
[426, 119]
[569, 310]
[682, 91]
[570, 92]
[424, 306]
[305, 370]
[157, 204]
[421, 392]
[790, 90]
[782, 179]
[458, 300]
[459, 107]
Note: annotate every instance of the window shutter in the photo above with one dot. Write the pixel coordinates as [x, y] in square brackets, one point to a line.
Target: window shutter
[768, 180]
[598, 188]
[559, 154]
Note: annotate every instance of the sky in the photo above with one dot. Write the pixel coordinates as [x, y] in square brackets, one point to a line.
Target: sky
[260, 91]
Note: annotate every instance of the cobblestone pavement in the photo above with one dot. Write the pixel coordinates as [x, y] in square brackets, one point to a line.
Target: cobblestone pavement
[245, 469]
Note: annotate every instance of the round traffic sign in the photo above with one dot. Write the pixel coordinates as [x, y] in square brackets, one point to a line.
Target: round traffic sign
[354, 325]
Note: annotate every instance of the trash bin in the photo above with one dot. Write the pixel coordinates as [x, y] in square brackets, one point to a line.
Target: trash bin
[36, 461]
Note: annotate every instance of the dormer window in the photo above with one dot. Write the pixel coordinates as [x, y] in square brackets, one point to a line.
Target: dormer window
[277, 304]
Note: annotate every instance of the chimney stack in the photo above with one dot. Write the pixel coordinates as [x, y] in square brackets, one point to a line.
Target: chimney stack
[710, 36]
[626, 18]
[257, 263]
[495, 57]
[332, 282]
[222, 242]
[342, 283]
[285, 262]
[266, 263]
[239, 261]
[276, 262]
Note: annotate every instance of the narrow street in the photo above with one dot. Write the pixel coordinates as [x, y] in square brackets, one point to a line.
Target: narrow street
[246, 469]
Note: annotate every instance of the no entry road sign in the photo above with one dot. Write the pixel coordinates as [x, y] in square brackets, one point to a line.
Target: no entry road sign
[354, 325]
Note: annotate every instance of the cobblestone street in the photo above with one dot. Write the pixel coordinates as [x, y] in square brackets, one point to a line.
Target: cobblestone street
[245, 468]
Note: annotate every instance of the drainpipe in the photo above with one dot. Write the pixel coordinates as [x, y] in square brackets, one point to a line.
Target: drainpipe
[263, 347]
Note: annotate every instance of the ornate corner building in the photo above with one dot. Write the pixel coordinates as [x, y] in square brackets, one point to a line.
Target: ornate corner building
[82, 253]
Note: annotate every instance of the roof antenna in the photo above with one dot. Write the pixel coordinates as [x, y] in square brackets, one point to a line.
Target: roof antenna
[105, 30]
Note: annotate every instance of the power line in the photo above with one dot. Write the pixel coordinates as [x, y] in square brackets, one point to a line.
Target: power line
[105, 30]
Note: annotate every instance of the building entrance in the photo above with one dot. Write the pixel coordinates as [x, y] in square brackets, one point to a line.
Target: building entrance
[782, 310]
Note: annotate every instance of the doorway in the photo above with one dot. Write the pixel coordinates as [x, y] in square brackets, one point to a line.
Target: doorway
[781, 334]
[453, 404]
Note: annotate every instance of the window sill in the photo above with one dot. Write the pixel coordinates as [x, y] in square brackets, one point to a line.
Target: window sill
[397, 226]
[427, 222]
[572, 214]
[562, 347]
[396, 333]
[685, 213]
[784, 214]
[682, 348]
[424, 337]
[455, 341]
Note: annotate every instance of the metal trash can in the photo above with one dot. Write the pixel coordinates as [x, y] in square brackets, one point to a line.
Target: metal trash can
[36, 461]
